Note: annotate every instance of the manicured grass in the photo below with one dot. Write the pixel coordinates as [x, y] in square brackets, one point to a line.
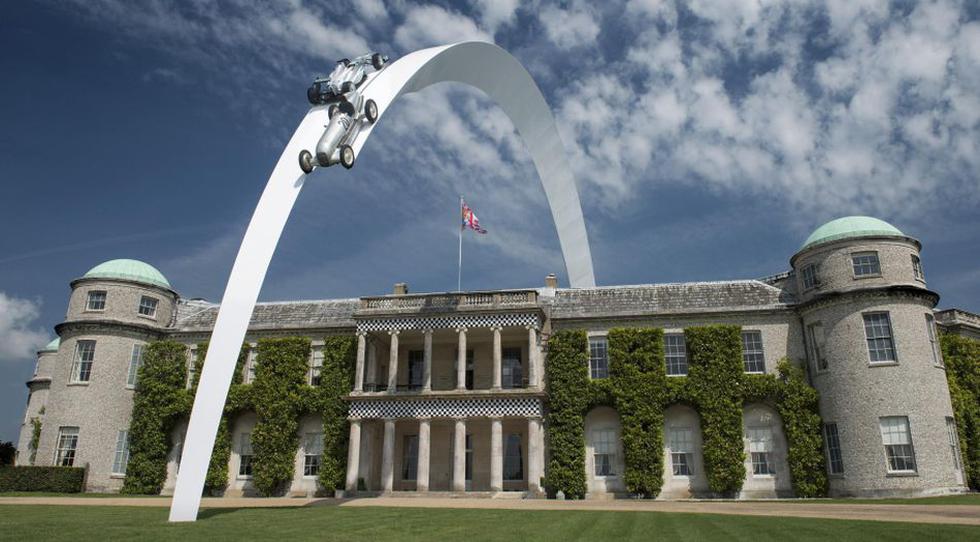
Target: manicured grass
[20, 522]
[80, 495]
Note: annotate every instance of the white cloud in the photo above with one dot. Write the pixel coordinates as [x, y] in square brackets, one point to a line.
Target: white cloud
[496, 13]
[20, 336]
[567, 29]
[427, 26]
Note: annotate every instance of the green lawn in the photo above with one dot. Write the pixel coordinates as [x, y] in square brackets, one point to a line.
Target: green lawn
[20, 522]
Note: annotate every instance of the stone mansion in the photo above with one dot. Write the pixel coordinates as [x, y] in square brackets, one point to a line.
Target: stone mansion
[450, 390]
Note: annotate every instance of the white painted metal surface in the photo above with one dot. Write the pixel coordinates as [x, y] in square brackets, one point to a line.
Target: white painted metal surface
[481, 65]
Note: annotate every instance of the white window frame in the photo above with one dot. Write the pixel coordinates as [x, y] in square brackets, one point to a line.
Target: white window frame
[748, 337]
[605, 443]
[761, 446]
[120, 459]
[954, 442]
[82, 367]
[312, 454]
[250, 365]
[135, 362]
[598, 357]
[245, 445]
[148, 307]
[917, 268]
[876, 327]
[316, 366]
[815, 343]
[937, 354]
[511, 368]
[675, 352]
[680, 441]
[902, 437]
[809, 276]
[865, 264]
[90, 297]
[66, 447]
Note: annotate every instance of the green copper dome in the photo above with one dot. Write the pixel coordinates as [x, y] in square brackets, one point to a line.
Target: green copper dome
[52, 346]
[848, 227]
[129, 270]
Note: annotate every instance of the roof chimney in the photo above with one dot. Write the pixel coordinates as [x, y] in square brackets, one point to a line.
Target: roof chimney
[551, 281]
[401, 288]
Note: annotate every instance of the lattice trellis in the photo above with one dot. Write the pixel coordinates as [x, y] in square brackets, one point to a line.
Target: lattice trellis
[491, 407]
[449, 322]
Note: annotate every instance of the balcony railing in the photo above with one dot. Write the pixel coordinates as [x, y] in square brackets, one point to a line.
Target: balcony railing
[450, 301]
[368, 387]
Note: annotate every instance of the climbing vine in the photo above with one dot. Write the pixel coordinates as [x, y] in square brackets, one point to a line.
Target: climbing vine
[279, 378]
[156, 404]
[638, 388]
[35, 435]
[962, 358]
[336, 381]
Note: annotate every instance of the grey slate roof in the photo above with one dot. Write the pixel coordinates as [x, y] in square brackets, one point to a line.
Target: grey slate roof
[200, 315]
[651, 299]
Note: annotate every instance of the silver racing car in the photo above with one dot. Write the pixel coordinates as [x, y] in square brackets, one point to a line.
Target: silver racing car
[348, 111]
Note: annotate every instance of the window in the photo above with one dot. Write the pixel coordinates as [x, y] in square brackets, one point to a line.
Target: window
[866, 264]
[81, 368]
[937, 356]
[810, 279]
[191, 367]
[250, 363]
[897, 438]
[67, 445]
[814, 336]
[598, 357]
[513, 372]
[410, 457]
[121, 458]
[917, 268]
[148, 306]
[676, 354]
[312, 451]
[316, 366]
[468, 460]
[245, 456]
[179, 451]
[513, 458]
[760, 450]
[681, 443]
[135, 361]
[604, 451]
[954, 441]
[752, 355]
[835, 461]
[878, 329]
[96, 300]
[416, 365]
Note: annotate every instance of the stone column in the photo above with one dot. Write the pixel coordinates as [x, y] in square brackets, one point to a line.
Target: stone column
[532, 356]
[535, 455]
[497, 363]
[372, 363]
[461, 359]
[427, 360]
[459, 455]
[359, 368]
[388, 457]
[422, 476]
[496, 455]
[393, 362]
[353, 455]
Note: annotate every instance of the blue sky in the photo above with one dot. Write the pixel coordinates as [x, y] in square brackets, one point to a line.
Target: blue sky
[708, 139]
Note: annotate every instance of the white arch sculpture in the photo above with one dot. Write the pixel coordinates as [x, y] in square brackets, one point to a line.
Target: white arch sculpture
[481, 65]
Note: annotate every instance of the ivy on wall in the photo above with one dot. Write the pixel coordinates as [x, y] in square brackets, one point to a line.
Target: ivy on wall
[962, 358]
[638, 388]
[35, 435]
[279, 378]
[159, 398]
[638, 376]
[336, 381]
[715, 372]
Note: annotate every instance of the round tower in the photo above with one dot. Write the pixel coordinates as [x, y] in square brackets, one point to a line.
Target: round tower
[874, 356]
[114, 310]
[37, 399]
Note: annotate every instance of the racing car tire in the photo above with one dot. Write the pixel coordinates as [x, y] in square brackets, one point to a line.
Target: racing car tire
[306, 161]
[313, 95]
[347, 108]
[347, 156]
[332, 110]
[371, 111]
[377, 61]
[347, 87]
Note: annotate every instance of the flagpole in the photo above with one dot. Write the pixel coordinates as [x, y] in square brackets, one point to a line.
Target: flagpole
[459, 267]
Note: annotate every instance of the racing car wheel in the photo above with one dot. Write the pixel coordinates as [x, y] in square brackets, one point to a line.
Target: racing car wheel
[347, 156]
[371, 111]
[377, 61]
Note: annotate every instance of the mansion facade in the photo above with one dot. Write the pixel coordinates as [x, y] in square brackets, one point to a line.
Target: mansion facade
[450, 392]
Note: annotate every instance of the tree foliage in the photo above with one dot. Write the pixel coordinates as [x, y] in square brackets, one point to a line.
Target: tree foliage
[962, 358]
